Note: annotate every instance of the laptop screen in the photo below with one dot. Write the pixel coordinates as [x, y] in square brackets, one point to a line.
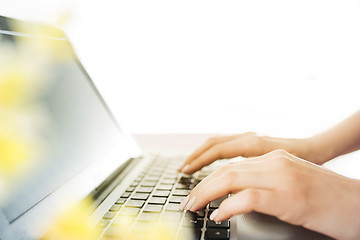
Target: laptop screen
[74, 127]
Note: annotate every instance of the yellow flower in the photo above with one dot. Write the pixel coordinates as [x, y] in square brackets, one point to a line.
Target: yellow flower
[13, 88]
[14, 153]
[20, 79]
[73, 224]
[19, 112]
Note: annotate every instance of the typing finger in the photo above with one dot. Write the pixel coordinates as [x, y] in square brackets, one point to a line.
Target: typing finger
[251, 199]
[207, 145]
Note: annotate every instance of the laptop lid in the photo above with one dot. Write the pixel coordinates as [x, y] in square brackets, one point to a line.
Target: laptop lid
[82, 143]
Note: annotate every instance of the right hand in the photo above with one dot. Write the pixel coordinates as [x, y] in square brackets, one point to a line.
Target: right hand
[287, 187]
[246, 145]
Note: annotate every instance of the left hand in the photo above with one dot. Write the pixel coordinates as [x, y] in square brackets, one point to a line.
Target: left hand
[287, 187]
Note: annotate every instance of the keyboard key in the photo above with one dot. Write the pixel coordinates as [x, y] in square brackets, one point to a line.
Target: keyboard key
[109, 215]
[148, 184]
[134, 184]
[183, 186]
[151, 178]
[168, 181]
[137, 235]
[102, 224]
[121, 221]
[157, 200]
[173, 207]
[121, 201]
[190, 234]
[223, 224]
[181, 192]
[160, 193]
[170, 176]
[185, 180]
[148, 217]
[164, 187]
[144, 189]
[195, 215]
[172, 216]
[176, 199]
[139, 178]
[155, 175]
[114, 232]
[130, 189]
[135, 203]
[217, 233]
[171, 172]
[129, 211]
[143, 227]
[115, 208]
[126, 195]
[153, 208]
[140, 196]
[216, 203]
[193, 223]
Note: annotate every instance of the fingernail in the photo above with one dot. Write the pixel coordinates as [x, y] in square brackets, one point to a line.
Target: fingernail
[185, 168]
[214, 214]
[183, 203]
[190, 203]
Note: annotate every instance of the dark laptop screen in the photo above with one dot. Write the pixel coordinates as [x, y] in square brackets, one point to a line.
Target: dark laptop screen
[74, 126]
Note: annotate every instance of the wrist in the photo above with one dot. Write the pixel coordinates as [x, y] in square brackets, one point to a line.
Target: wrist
[301, 147]
[321, 149]
[355, 220]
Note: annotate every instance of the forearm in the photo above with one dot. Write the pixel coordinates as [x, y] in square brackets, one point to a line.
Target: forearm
[341, 139]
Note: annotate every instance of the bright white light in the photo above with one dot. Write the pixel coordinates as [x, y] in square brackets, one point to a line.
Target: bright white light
[286, 68]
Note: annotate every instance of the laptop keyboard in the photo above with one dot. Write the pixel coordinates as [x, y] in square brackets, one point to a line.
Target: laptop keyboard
[156, 194]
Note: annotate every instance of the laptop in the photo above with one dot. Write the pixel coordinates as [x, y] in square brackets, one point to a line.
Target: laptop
[90, 154]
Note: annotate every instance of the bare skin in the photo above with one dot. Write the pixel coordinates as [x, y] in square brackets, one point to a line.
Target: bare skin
[341, 139]
[285, 186]
[280, 182]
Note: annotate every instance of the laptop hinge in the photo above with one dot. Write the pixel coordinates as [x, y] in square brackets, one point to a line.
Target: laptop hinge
[99, 194]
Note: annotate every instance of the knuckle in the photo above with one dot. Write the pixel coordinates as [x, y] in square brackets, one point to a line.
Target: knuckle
[231, 175]
[279, 152]
[250, 133]
[223, 170]
[282, 162]
[212, 140]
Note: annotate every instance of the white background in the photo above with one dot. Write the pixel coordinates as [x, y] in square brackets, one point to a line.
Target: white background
[284, 68]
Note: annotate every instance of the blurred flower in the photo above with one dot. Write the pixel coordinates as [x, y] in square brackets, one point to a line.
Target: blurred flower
[21, 79]
[14, 151]
[20, 87]
[73, 224]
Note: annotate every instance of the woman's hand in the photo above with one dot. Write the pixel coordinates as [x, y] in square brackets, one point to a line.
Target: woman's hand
[287, 187]
[248, 145]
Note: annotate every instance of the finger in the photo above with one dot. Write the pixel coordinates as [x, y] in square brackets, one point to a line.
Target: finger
[208, 144]
[251, 199]
[254, 172]
[229, 180]
[228, 149]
